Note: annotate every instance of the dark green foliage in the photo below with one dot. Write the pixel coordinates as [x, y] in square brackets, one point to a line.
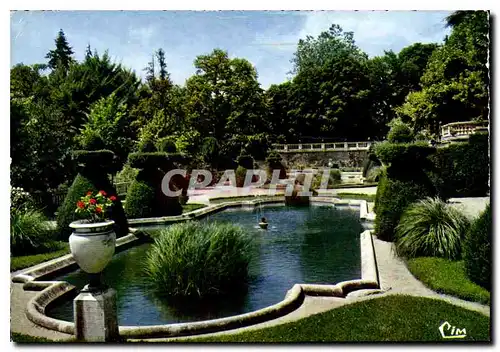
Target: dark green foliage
[91, 178]
[240, 174]
[462, 170]
[92, 141]
[274, 163]
[245, 161]
[60, 57]
[166, 145]
[198, 260]
[153, 160]
[210, 149]
[400, 133]
[431, 228]
[477, 250]
[403, 153]
[146, 195]
[140, 200]
[29, 232]
[403, 183]
[147, 145]
[103, 158]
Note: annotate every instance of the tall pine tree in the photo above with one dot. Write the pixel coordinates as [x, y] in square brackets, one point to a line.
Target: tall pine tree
[60, 57]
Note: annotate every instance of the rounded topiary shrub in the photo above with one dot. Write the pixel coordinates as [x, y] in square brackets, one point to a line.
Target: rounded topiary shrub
[145, 197]
[198, 260]
[431, 228]
[140, 199]
[477, 250]
[93, 167]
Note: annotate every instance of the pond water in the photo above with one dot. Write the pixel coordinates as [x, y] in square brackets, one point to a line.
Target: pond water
[317, 244]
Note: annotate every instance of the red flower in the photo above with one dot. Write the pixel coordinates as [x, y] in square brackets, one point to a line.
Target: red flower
[80, 204]
[112, 198]
[89, 193]
[92, 201]
[103, 193]
[98, 210]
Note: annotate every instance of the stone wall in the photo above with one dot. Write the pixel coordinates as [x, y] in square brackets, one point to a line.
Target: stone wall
[353, 158]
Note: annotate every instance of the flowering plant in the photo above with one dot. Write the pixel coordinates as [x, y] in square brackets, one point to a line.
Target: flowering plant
[20, 200]
[95, 206]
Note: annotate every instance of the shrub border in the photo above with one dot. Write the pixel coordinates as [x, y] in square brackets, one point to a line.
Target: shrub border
[56, 290]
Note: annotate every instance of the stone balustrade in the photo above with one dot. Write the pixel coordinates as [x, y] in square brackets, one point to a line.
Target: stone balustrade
[319, 147]
[461, 130]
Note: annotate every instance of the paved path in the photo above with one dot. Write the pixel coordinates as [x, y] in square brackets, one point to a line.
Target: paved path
[204, 195]
[471, 207]
[20, 323]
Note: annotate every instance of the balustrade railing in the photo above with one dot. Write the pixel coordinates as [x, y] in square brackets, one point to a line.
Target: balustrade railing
[461, 130]
[295, 147]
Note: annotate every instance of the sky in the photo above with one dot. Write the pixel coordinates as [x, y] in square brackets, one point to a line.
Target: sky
[267, 39]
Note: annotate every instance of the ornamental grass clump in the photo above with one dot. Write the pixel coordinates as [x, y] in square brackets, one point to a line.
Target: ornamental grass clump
[431, 228]
[199, 260]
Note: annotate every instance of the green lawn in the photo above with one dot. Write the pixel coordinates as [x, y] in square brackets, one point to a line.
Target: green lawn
[361, 196]
[449, 277]
[391, 318]
[186, 208]
[25, 261]
[243, 198]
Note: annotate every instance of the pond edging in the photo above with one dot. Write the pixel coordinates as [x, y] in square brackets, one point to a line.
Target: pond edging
[55, 290]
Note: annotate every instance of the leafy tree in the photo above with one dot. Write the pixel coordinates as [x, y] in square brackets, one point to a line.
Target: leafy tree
[225, 98]
[455, 83]
[60, 57]
[109, 121]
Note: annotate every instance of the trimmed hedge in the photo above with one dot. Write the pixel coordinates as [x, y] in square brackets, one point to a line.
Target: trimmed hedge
[462, 169]
[89, 180]
[103, 158]
[477, 250]
[145, 197]
[140, 200]
[403, 153]
[403, 183]
[417, 170]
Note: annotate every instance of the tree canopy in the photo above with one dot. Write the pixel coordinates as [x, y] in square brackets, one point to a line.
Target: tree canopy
[336, 92]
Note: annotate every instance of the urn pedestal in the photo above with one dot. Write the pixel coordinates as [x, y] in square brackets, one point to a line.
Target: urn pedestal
[92, 246]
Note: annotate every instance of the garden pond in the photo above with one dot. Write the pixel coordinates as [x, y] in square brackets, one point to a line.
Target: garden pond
[318, 244]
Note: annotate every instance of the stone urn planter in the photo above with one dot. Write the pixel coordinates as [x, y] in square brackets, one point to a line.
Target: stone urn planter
[92, 246]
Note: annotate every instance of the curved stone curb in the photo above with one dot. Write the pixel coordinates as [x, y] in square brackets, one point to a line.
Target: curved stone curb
[35, 311]
[292, 301]
[54, 290]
